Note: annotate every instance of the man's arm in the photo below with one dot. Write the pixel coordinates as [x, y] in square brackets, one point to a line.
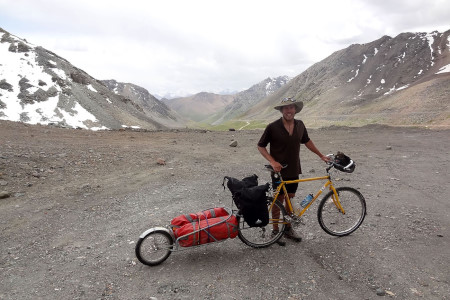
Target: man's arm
[275, 165]
[310, 145]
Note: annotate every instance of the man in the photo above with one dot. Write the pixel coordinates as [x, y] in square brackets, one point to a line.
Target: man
[285, 136]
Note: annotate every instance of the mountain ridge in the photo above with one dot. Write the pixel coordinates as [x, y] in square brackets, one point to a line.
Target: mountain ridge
[403, 80]
[214, 109]
[199, 106]
[378, 79]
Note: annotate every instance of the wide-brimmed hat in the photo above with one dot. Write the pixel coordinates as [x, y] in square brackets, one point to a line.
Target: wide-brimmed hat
[290, 101]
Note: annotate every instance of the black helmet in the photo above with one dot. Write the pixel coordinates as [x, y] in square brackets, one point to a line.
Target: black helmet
[343, 163]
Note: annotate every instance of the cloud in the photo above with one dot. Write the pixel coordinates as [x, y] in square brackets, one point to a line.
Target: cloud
[411, 15]
[191, 46]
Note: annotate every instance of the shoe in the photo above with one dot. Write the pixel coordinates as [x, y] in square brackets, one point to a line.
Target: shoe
[291, 234]
[280, 241]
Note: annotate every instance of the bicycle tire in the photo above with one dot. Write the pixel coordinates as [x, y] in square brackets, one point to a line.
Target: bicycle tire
[333, 221]
[260, 237]
[154, 248]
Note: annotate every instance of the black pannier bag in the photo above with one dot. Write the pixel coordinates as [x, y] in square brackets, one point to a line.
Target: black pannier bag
[251, 199]
[235, 185]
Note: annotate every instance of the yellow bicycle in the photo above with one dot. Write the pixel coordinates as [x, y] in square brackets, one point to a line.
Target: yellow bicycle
[341, 211]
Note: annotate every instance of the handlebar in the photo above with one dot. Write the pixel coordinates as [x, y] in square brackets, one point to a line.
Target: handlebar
[331, 163]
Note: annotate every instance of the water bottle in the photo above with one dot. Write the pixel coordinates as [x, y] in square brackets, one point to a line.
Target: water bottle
[306, 201]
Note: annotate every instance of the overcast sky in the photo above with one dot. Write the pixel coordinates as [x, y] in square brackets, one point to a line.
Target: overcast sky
[189, 46]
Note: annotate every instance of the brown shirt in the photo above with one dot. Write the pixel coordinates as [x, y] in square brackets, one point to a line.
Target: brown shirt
[284, 148]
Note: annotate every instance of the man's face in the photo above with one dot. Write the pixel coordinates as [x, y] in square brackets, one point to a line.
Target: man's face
[288, 112]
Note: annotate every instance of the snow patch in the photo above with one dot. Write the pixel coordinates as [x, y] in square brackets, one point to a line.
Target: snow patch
[444, 69]
[430, 39]
[60, 73]
[393, 89]
[133, 127]
[77, 118]
[365, 59]
[90, 87]
[390, 91]
[19, 63]
[356, 75]
[403, 87]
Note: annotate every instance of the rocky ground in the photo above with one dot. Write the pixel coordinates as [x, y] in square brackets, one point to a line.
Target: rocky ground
[74, 203]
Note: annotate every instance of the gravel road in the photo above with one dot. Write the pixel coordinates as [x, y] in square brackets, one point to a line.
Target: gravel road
[74, 203]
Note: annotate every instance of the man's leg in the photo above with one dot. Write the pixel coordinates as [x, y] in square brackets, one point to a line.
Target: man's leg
[276, 212]
[276, 215]
[289, 231]
[286, 206]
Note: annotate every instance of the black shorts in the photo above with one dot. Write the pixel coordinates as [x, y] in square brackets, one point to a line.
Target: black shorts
[291, 188]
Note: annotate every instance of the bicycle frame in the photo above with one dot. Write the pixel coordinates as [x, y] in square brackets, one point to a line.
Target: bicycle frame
[299, 212]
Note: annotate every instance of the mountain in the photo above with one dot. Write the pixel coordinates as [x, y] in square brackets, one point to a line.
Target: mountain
[245, 100]
[152, 107]
[199, 106]
[398, 81]
[215, 109]
[403, 80]
[38, 86]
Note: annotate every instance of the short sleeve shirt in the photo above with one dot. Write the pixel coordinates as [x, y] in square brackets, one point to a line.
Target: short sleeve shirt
[284, 148]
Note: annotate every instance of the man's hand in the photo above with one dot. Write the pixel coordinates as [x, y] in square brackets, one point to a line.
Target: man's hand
[325, 158]
[276, 166]
[310, 145]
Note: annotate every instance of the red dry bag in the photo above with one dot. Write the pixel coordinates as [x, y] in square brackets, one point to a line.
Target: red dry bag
[207, 230]
[206, 214]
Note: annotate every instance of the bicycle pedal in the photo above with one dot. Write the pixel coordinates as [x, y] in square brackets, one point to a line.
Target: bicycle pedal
[288, 219]
[298, 221]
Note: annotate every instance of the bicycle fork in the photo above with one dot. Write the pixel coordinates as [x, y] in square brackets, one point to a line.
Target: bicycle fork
[335, 199]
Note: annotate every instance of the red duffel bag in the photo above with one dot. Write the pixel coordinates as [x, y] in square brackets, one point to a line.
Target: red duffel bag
[206, 214]
[209, 230]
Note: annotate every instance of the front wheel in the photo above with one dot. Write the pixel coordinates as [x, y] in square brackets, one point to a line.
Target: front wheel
[260, 237]
[340, 218]
[154, 247]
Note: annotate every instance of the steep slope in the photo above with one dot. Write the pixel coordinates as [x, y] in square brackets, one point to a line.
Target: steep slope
[199, 106]
[152, 107]
[244, 100]
[401, 81]
[38, 86]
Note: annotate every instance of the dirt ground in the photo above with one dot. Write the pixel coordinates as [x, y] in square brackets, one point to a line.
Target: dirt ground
[74, 203]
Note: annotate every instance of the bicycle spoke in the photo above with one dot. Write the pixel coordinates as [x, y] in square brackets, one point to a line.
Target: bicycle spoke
[342, 217]
[154, 248]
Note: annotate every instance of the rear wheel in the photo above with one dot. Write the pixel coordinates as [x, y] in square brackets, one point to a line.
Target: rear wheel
[260, 237]
[154, 248]
[341, 222]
